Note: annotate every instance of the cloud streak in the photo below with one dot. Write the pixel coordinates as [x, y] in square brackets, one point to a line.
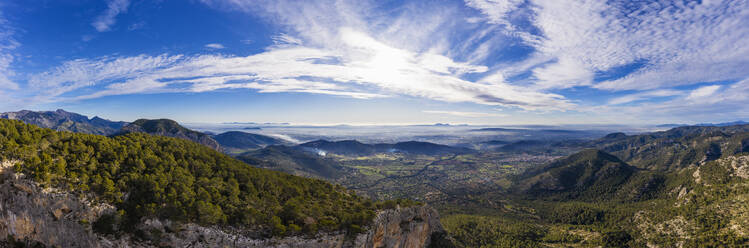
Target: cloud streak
[365, 69]
[8, 44]
[328, 49]
[711, 102]
[682, 43]
[214, 46]
[653, 48]
[108, 18]
[464, 113]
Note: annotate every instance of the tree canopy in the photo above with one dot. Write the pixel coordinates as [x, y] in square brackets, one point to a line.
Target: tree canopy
[147, 176]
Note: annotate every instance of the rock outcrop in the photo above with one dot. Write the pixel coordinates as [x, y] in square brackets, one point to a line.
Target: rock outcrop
[405, 227]
[35, 215]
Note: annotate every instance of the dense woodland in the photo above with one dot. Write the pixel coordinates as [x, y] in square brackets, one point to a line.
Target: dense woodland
[670, 209]
[148, 176]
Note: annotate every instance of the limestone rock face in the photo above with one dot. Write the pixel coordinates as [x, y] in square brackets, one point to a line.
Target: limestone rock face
[33, 215]
[403, 227]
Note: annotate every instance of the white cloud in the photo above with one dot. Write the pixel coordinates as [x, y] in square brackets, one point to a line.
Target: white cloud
[87, 38]
[285, 39]
[7, 45]
[106, 20]
[136, 26]
[328, 49]
[464, 114]
[664, 44]
[704, 91]
[495, 10]
[563, 74]
[362, 68]
[214, 46]
[714, 103]
[680, 43]
[646, 95]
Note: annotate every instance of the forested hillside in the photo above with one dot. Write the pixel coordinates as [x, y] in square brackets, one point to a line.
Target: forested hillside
[678, 147]
[294, 161]
[148, 176]
[685, 187]
[169, 128]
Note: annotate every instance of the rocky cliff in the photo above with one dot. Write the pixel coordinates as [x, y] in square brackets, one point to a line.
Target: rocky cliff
[33, 215]
[405, 227]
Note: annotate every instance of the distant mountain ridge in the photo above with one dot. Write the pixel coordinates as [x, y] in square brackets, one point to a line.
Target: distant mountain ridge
[169, 128]
[62, 120]
[721, 124]
[677, 147]
[620, 166]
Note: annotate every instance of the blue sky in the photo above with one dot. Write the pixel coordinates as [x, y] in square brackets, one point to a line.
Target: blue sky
[379, 62]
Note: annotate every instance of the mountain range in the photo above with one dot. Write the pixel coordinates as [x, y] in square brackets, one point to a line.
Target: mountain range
[62, 120]
[721, 124]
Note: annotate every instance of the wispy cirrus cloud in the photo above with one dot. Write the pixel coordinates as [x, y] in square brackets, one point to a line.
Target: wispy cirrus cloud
[645, 95]
[8, 44]
[496, 10]
[412, 36]
[214, 46]
[464, 113]
[704, 91]
[681, 42]
[328, 49]
[711, 102]
[653, 48]
[105, 20]
[377, 71]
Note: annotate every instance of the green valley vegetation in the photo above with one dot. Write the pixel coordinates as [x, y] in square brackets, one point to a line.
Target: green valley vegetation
[686, 187]
[147, 176]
